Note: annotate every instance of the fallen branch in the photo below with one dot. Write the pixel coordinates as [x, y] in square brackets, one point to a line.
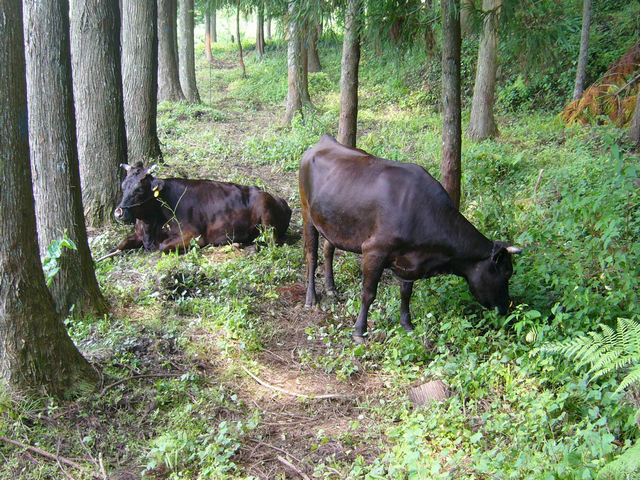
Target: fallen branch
[293, 467]
[46, 454]
[535, 189]
[135, 377]
[294, 394]
[275, 448]
[112, 254]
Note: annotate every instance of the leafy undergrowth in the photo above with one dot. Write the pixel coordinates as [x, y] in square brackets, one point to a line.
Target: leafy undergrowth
[212, 368]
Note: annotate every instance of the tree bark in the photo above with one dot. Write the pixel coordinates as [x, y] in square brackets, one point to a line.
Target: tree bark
[634, 126]
[36, 353]
[482, 123]
[241, 60]
[54, 154]
[348, 122]
[169, 89]
[295, 66]
[450, 167]
[314, 58]
[581, 73]
[214, 26]
[269, 28]
[139, 78]
[187, 64]
[260, 30]
[97, 84]
[207, 37]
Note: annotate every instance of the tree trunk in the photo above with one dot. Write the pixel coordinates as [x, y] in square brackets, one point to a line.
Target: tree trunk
[269, 28]
[295, 66]
[260, 30]
[139, 78]
[244, 70]
[169, 89]
[54, 154]
[187, 64]
[466, 11]
[304, 84]
[581, 73]
[348, 122]
[634, 126]
[207, 37]
[482, 123]
[97, 82]
[314, 58]
[36, 353]
[214, 26]
[450, 167]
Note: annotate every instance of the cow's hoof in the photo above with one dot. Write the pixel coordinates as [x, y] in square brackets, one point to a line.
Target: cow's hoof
[358, 339]
[309, 306]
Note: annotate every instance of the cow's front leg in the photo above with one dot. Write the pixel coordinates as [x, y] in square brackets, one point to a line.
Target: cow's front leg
[329, 283]
[180, 241]
[132, 241]
[372, 266]
[406, 289]
[310, 237]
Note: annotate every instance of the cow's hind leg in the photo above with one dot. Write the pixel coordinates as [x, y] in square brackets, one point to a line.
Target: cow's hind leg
[406, 289]
[310, 237]
[329, 283]
[181, 241]
[373, 262]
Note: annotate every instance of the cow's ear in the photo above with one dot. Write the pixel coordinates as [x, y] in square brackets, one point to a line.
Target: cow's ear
[157, 184]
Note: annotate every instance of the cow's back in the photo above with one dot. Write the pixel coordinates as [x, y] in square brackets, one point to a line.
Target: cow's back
[351, 196]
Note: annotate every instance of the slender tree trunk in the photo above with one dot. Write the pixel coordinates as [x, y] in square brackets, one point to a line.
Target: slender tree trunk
[169, 89]
[634, 126]
[581, 73]
[348, 122]
[482, 123]
[241, 60]
[54, 160]
[174, 24]
[450, 167]
[207, 37]
[314, 58]
[295, 64]
[466, 11]
[187, 64]
[260, 30]
[97, 82]
[140, 78]
[269, 28]
[304, 84]
[214, 26]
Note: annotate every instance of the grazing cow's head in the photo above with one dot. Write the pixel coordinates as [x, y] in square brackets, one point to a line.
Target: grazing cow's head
[489, 280]
[138, 189]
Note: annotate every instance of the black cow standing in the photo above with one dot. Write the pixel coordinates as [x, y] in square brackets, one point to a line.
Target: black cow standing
[398, 217]
[170, 213]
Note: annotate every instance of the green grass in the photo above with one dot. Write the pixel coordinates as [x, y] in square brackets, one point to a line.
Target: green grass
[195, 319]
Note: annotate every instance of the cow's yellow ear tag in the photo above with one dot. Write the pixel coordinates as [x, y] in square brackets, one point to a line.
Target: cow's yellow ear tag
[156, 193]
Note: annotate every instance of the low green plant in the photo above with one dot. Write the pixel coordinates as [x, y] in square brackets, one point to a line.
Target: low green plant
[54, 252]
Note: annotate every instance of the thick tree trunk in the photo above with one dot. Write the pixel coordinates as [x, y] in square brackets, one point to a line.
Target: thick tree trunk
[139, 78]
[207, 37]
[314, 58]
[450, 167]
[97, 85]
[187, 64]
[260, 30]
[348, 122]
[581, 73]
[169, 89]
[54, 154]
[241, 60]
[214, 26]
[36, 353]
[482, 123]
[295, 64]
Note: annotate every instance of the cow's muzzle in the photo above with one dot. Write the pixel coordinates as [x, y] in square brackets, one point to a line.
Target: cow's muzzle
[123, 215]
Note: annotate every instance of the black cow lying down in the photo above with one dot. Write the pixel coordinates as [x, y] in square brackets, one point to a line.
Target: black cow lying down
[398, 217]
[170, 213]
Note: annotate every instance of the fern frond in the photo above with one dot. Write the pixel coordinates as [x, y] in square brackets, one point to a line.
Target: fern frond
[607, 352]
